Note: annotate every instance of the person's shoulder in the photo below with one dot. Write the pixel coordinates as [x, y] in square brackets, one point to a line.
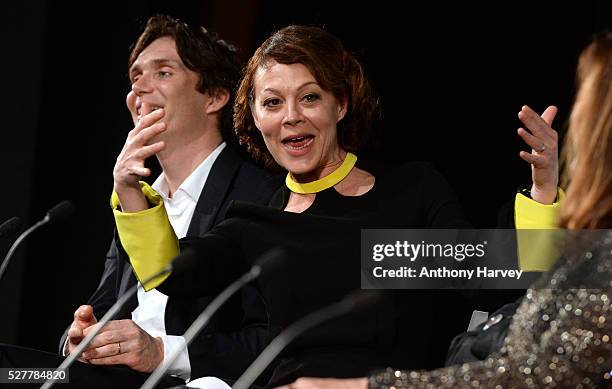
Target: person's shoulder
[247, 167]
[242, 212]
[417, 168]
[405, 171]
[262, 182]
[417, 180]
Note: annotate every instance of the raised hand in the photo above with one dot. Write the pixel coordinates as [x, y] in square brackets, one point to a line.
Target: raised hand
[139, 145]
[544, 156]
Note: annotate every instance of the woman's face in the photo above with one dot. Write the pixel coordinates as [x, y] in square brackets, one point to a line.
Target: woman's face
[297, 119]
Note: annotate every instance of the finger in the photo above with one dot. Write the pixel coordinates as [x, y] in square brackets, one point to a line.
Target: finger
[83, 318]
[549, 114]
[107, 350]
[537, 161]
[130, 102]
[535, 124]
[120, 359]
[534, 142]
[139, 171]
[145, 136]
[113, 332]
[104, 338]
[108, 332]
[145, 109]
[75, 333]
[147, 121]
[87, 330]
[148, 151]
[84, 313]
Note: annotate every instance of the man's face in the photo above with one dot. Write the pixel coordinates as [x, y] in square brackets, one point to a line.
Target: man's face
[160, 79]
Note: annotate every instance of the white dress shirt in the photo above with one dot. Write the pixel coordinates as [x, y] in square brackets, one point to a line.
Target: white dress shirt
[150, 313]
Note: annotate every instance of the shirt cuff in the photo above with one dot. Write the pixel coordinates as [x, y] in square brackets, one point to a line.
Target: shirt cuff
[147, 237]
[181, 367]
[528, 213]
[65, 348]
[537, 233]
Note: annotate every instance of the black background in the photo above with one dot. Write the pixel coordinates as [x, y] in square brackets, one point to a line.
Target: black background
[451, 80]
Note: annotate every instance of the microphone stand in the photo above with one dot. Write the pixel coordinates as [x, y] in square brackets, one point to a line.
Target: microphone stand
[20, 239]
[61, 210]
[267, 261]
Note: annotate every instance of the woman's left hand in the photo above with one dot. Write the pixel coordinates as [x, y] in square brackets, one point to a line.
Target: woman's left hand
[327, 383]
[544, 158]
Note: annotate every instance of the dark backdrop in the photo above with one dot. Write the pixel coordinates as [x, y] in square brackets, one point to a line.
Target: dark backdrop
[451, 82]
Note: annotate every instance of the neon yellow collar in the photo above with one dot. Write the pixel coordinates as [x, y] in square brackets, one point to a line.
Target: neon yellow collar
[323, 183]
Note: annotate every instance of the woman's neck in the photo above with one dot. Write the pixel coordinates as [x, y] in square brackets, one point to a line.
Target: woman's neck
[323, 170]
[357, 183]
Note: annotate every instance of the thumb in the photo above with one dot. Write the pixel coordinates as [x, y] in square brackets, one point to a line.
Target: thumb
[85, 314]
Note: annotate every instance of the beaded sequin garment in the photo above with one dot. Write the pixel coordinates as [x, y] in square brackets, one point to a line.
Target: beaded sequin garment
[558, 338]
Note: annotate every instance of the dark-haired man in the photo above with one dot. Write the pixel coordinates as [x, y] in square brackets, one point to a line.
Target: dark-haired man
[181, 103]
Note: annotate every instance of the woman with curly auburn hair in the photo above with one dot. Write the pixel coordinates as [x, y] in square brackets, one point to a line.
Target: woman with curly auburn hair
[334, 69]
[560, 336]
[305, 105]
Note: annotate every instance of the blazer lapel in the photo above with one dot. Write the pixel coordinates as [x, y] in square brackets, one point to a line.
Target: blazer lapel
[215, 191]
[127, 281]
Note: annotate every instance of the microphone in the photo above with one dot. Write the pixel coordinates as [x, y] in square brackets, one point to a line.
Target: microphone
[59, 212]
[11, 227]
[178, 263]
[266, 263]
[354, 300]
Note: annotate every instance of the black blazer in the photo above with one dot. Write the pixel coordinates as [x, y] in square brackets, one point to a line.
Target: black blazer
[238, 332]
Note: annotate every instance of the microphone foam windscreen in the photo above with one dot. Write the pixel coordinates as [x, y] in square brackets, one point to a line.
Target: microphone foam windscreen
[185, 261]
[61, 211]
[11, 227]
[271, 259]
[359, 298]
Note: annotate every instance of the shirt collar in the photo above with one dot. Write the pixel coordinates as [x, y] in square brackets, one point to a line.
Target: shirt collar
[194, 183]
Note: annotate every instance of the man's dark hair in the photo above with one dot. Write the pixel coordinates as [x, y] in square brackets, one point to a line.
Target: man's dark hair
[215, 60]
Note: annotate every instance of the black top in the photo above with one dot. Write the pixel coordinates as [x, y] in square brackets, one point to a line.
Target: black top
[323, 265]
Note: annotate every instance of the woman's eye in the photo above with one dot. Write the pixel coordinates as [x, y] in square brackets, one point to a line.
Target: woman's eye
[163, 74]
[309, 98]
[271, 102]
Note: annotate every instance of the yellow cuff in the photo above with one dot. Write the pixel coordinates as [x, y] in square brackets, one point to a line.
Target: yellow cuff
[537, 232]
[528, 213]
[147, 237]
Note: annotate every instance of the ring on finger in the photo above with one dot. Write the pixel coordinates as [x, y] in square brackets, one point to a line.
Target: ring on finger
[542, 148]
[118, 347]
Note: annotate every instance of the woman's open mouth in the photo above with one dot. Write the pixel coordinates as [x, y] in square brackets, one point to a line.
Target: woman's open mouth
[298, 143]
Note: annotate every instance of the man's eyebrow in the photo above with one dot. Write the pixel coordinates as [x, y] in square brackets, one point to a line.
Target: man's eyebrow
[157, 62]
[165, 61]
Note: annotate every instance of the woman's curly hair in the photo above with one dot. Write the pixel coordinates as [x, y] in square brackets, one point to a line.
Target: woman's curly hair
[335, 69]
